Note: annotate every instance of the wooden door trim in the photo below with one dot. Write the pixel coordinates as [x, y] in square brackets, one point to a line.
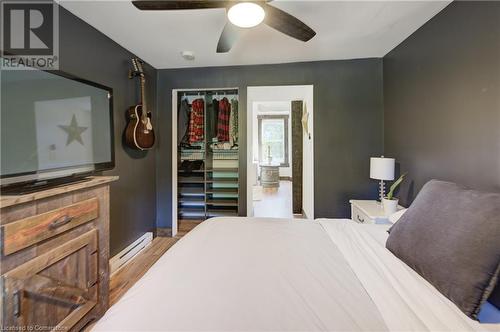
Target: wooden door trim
[297, 109]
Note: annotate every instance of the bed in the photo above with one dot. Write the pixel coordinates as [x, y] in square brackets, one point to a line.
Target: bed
[256, 274]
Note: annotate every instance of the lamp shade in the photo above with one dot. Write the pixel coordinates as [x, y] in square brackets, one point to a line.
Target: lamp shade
[382, 168]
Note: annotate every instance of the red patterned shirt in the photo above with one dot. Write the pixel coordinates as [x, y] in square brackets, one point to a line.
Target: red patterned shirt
[223, 120]
[196, 121]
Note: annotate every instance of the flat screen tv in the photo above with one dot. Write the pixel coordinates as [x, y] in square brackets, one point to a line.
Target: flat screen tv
[53, 126]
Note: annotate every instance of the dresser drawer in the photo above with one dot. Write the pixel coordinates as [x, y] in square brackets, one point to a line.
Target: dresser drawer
[23, 233]
[359, 217]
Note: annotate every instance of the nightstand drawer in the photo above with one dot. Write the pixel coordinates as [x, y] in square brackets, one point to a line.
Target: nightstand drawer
[359, 217]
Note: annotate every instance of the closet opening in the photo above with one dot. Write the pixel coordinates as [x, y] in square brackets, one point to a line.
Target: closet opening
[280, 148]
[205, 156]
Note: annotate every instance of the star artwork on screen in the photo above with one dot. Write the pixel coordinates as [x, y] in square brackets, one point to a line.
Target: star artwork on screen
[64, 131]
[74, 131]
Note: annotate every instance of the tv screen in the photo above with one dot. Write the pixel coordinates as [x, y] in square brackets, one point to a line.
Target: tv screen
[53, 125]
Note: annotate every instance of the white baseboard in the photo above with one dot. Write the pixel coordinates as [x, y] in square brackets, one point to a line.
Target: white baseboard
[124, 256]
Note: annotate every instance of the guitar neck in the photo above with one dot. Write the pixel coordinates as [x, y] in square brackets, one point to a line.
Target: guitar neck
[143, 97]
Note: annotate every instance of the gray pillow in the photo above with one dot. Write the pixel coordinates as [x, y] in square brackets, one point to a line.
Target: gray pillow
[451, 236]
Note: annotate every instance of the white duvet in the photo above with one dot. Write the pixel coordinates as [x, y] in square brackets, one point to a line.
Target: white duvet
[250, 274]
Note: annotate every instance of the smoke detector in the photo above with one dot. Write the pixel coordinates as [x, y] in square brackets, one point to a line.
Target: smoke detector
[188, 55]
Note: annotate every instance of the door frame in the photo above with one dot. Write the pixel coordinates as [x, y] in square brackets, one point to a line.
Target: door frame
[283, 93]
[174, 199]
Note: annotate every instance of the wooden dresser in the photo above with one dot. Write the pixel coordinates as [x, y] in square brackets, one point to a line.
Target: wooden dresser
[54, 257]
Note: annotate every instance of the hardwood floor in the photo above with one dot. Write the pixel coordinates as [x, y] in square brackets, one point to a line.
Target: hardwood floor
[275, 203]
[126, 277]
[185, 226]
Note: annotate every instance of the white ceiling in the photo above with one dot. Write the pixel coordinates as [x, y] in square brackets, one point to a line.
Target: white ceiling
[345, 30]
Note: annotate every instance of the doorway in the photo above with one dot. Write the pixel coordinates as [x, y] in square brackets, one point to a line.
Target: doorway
[280, 151]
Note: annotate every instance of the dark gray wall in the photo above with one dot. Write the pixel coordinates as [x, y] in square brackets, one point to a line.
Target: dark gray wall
[348, 118]
[442, 99]
[87, 53]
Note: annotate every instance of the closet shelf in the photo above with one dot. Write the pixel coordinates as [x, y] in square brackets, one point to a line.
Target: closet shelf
[199, 216]
[191, 191]
[222, 170]
[222, 191]
[192, 200]
[197, 171]
[223, 202]
[222, 213]
[190, 212]
[192, 209]
[224, 180]
[186, 179]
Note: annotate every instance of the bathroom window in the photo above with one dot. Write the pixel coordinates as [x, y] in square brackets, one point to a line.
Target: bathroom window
[273, 139]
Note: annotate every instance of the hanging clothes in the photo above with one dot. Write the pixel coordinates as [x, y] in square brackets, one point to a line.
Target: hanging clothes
[214, 117]
[223, 120]
[211, 120]
[196, 121]
[183, 122]
[233, 123]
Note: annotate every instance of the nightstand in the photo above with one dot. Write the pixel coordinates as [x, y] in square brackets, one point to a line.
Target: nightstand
[369, 212]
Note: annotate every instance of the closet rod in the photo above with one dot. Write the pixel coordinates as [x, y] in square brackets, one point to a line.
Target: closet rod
[209, 92]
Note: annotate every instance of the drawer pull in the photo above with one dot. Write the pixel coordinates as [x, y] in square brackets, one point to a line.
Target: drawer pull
[360, 219]
[60, 222]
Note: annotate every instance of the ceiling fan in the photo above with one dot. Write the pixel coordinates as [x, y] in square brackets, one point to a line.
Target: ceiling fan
[241, 14]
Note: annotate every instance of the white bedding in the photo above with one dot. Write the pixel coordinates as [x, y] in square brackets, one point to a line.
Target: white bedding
[406, 301]
[249, 274]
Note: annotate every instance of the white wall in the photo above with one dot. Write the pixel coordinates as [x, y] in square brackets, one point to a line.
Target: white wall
[272, 108]
[283, 94]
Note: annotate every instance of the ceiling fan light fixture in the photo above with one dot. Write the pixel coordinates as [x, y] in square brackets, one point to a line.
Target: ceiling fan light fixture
[246, 14]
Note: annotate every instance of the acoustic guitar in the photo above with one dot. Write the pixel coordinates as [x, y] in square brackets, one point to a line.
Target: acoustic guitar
[139, 133]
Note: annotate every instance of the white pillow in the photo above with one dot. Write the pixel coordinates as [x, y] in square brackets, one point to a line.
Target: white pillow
[395, 216]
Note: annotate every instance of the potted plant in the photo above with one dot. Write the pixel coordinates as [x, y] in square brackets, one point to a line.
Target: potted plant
[390, 203]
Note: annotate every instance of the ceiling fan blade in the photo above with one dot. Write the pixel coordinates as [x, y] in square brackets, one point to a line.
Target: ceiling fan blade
[287, 24]
[228, 37]
[180, 4]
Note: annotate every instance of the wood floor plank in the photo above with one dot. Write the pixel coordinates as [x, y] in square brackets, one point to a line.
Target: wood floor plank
[126, 277]
[185, 226]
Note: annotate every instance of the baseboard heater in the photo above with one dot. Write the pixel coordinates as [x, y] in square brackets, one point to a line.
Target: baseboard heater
[124, 256]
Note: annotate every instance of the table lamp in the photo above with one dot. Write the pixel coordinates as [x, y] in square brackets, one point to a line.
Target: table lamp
[382, 169]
